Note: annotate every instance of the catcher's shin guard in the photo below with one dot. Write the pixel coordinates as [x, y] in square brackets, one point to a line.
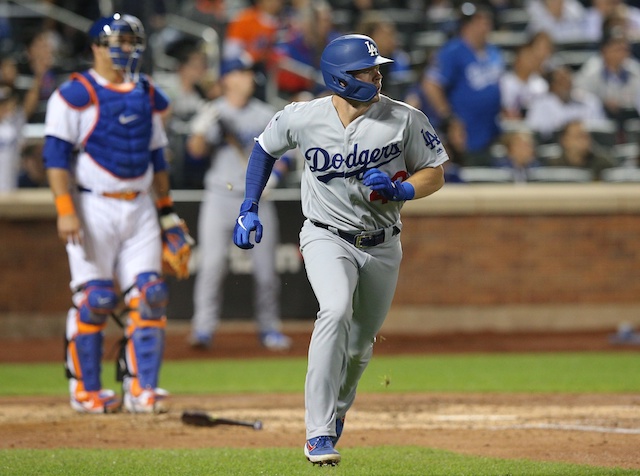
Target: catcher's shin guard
[86, 321]
[143, 346]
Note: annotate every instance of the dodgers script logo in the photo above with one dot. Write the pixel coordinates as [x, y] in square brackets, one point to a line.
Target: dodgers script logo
[356, 162]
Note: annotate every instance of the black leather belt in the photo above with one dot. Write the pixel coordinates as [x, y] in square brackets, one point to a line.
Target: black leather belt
[364, 239]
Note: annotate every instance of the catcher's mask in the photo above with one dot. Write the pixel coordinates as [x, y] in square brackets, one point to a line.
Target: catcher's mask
[124, 36]
[343, 56]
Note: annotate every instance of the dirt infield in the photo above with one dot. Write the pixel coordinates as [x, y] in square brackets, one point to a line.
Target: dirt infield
[602, 430]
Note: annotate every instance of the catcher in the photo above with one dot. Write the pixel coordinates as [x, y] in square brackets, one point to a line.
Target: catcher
[106, 168]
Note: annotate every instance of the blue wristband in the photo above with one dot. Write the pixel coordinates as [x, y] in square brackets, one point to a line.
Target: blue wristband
[405, 191]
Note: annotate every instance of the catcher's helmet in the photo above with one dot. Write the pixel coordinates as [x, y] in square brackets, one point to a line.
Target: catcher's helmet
[344, 55]
[113, 31]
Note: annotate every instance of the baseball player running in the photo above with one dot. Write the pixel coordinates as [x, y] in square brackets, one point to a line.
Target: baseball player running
[365, 155]
[104, 155]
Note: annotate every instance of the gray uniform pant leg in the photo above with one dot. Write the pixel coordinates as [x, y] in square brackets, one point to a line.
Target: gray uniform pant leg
[371, 302]
[217, 218]
[218, 212]
[266, 278]
[354, 289]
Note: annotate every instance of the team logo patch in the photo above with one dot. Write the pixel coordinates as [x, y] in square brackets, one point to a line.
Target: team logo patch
[430, 139]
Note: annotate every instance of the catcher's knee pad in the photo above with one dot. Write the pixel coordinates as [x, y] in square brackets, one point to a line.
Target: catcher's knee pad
[149, 296]
[144, 344]
[95, 301]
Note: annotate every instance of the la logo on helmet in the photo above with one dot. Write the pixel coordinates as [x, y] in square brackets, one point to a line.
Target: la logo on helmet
[373, 51]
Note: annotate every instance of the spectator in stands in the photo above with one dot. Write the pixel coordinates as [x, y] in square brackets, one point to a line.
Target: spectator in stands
[464, 81]
[595, 17]
[441, 14]
[520, 147]
[454, 138]
[208, 12]
[12, 120]
[255, 30]
[543, 48]
[38, 70]
[520, 85]
[564, 20]
[188, 94]
[562, 104]
[8, 69]
[578, 150]
[358, 8]
[417, 97]
[301, 49]
[397, 75]
[614, 76]
[32, 172]
[604, 14]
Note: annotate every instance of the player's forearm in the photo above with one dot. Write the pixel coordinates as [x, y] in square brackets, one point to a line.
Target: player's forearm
[436, 96]
[59, 181]
[161, 187]
[68, 224]
[427, 181]
[197, 146]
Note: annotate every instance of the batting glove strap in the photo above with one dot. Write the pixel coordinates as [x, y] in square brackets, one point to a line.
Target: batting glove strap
[404, 191]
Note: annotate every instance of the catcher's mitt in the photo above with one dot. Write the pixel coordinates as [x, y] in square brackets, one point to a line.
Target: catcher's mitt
[176, 246]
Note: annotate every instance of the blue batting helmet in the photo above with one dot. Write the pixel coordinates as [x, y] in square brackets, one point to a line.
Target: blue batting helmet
[112, 32]
[343, 56]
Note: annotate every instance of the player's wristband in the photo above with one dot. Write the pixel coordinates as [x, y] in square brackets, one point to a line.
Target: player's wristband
[164, 205]
[405, 191]
[64, 205]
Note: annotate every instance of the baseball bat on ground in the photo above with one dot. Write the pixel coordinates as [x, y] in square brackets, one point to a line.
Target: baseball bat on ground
[202, 418]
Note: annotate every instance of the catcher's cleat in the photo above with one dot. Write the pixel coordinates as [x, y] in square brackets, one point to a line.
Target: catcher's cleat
[274, 340]
[99, 401]
[147, 400]
[320, 451]
[339, 428]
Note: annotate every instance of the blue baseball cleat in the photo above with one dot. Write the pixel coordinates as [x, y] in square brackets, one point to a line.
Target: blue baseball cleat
[274, 340]
[339, 428]
[320, 451]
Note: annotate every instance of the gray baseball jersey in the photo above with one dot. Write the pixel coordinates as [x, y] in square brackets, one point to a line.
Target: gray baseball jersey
[354, 286]
[391, 136]
[233, 136]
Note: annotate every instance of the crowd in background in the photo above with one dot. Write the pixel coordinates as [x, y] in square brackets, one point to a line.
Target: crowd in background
[519, 90]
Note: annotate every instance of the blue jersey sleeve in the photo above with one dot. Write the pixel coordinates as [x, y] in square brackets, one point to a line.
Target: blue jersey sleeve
[158, 160]
[56, 153]
[160, 99]
[258, 171]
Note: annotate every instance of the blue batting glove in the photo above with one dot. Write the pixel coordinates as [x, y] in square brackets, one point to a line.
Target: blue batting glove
[380, 182]
[247, 222]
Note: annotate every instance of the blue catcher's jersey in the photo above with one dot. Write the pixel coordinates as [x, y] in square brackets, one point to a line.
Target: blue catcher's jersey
[119, 140]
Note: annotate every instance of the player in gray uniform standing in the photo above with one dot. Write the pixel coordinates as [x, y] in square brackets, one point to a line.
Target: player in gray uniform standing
[226, 129]
[365, 155]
